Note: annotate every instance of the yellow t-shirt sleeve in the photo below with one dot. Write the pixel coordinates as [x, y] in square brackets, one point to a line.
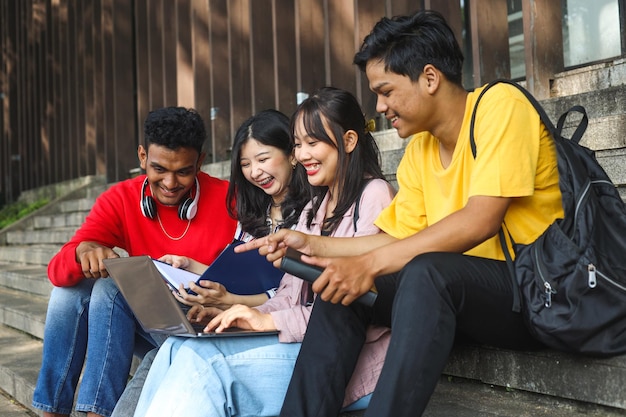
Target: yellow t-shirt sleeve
[507, 146]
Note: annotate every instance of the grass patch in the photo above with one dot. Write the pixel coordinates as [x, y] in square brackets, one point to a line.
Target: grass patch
[13, 212]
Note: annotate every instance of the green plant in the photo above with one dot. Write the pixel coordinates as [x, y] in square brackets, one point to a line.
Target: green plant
[13, 212]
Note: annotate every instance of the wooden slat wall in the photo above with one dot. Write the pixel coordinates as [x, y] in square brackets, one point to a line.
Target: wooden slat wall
[78, 77]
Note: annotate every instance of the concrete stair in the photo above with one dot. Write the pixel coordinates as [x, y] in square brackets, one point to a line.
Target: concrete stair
[478, 381]
[26, 247]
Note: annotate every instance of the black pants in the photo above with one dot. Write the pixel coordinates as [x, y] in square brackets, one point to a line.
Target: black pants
[434, 297]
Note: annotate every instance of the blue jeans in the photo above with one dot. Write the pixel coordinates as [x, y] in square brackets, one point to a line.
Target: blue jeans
[89, 321]
[127, 403]
[242, 376]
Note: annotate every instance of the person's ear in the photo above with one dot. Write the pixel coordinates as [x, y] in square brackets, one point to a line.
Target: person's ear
[432, 78]
[350, 139]
[142, 154]
[292, 160]
[200, 161]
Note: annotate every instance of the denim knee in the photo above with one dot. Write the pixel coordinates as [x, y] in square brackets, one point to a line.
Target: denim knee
[65, 344]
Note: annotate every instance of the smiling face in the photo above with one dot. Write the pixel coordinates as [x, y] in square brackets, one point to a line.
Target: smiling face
[266, 167]
[319, 158]
[402, 101]
[171, 173]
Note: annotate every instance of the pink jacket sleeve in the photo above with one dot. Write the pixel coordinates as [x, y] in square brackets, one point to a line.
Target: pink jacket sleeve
[290, 308]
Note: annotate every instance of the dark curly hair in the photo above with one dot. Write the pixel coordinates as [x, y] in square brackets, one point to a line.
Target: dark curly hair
[341, 112]
[247, 202]
[408, 43]
[175, 127]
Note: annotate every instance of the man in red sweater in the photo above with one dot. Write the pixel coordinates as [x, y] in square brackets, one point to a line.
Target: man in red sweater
[175, 208]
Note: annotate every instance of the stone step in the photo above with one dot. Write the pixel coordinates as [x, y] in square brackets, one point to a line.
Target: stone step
[25, 278]
[89, 186]
[606, 110]
[590, 78]
[453, 396]
[9, 407]
[77, 205]
[614, 163]
[57, 236]
[586, 379]
[63, 220]
[30, 254]
[23, 312]
[20, 360]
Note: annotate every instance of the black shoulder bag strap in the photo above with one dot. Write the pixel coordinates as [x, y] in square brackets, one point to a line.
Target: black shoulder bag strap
[554, 132]
[501, 235]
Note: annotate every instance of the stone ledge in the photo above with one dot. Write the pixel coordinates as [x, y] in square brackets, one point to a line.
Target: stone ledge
[576, 377]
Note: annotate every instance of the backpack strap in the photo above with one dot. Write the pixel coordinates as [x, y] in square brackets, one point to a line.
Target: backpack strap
[582, 125]
[546, 121]
[556, 134]
[542, 113]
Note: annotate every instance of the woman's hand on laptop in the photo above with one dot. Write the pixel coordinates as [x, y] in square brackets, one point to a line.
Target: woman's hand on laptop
[242, 317]
[199, 313]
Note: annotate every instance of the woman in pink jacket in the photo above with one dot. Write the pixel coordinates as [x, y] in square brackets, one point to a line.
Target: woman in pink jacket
[248, 376]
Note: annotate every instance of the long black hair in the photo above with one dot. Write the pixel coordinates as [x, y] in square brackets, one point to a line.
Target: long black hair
[247, 202]
[339, 111]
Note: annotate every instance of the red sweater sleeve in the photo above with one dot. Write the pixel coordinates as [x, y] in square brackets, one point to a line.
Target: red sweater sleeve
[116, 220]
[102, 225]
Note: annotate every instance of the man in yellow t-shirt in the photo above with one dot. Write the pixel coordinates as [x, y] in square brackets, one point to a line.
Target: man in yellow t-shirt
[438, 268]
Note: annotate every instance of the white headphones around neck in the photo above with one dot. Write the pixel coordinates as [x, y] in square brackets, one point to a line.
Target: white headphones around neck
[186, 210]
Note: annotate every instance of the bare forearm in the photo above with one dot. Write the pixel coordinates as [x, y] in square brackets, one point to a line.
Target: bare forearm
[196, 267]
[352, 246]
[247, 300]
[455, 233]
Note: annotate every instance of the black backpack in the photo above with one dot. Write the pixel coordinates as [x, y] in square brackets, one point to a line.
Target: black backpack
[572, 279]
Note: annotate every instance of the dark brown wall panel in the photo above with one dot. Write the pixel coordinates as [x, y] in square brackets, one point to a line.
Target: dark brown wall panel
[108, 78]
[47, 75]
[241, 71]
[79, 77]
[88, 86]
[155, 52]
[76, 147]
[311, 25]
[202, 69]
[543, 44]
[20, 156]
[142, 63]
[100, 90]
[263, 56]
[490, 37]
[123, 133]
[170, 42]
[220, 64]
[341, 44]
[285, 39]
[56, 144]
[369, 12]
[4, 108]
[184, 56]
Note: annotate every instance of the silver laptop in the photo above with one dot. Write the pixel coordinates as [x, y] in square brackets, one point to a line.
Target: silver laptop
[153, 303]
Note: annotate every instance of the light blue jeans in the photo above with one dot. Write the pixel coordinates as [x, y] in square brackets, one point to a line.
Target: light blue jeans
[89, 321]
[230, 376]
